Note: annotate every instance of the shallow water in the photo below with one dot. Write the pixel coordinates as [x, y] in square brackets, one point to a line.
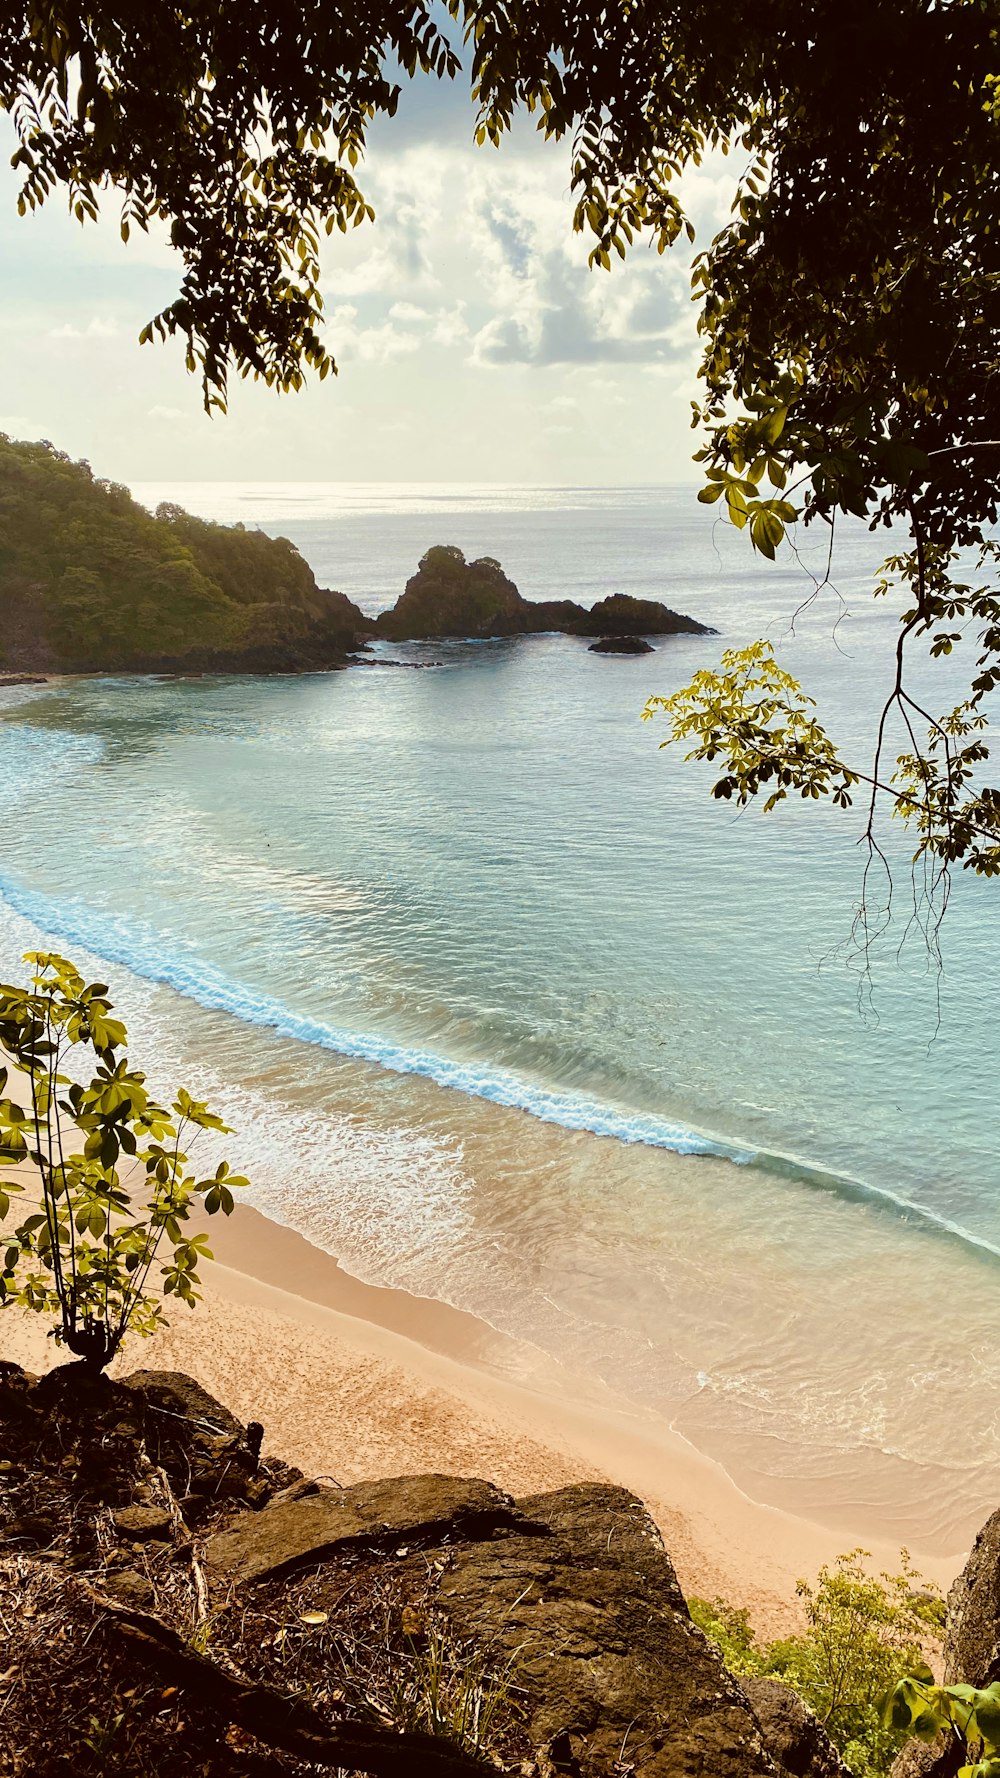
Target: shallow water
[493, 989]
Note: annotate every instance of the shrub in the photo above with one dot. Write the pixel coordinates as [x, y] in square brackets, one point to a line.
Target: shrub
[864, 1633]
[444, 559]
[107, 1178]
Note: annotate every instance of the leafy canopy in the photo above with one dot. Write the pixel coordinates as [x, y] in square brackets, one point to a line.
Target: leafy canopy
[101, 1169]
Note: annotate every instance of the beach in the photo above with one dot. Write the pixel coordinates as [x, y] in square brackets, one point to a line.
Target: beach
[353, 1382]
[577, 1080]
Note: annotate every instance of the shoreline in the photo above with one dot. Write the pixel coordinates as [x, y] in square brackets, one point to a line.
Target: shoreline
[353, 1380]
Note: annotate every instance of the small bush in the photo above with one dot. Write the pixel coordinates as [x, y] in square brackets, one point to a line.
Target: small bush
[864, 1634]
[107, 1184]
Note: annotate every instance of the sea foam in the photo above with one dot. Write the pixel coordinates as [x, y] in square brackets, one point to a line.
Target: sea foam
[141, 951]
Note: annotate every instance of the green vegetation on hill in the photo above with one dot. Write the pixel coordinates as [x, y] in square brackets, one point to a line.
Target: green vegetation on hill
[89, 578]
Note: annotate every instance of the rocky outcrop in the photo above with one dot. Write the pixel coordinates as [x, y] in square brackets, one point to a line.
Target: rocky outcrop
[316, 1523]
[615, 1674]
[972, 1643]
[794, 1735]
[621, 645]
[158, 1511]
[971, 1653]
[929, 1759]
[623, 615]
[574, 1589]
[449, 596]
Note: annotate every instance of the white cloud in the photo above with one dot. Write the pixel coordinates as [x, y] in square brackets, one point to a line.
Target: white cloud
[548, 306]
[97, 328]
[409, 312]
[351, 339]
[395, 255]
[166, 413]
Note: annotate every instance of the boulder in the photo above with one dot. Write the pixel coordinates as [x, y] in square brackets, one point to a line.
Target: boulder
[929, 1759]
[621, 645]
[130, 1588]
[175, 1396]
[309, 1526]
[574, 1588]
[971, 1654]
[140, 1523]
[794, 1735]
[614, 1675]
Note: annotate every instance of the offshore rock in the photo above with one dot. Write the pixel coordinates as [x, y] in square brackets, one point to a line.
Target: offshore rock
[623, 615]
[621, 645]
[449, 596]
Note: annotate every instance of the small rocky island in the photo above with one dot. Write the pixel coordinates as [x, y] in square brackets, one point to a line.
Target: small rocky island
[621, 645]
[450, 597]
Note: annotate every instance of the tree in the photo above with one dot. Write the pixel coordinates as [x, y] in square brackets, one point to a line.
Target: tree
[85, 1254]
[239, 126]
[850, 311]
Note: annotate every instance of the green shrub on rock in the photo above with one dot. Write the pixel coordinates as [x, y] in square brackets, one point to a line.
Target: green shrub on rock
[863, 1634]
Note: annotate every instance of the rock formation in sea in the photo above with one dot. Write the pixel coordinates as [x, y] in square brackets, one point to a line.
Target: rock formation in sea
[621, 645]
[228, 1614]
[449, 596]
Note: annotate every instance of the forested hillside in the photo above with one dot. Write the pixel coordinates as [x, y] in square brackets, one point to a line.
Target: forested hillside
[90, 580]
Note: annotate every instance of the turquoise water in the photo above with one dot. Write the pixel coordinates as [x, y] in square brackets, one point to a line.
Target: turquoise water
[517, 1016]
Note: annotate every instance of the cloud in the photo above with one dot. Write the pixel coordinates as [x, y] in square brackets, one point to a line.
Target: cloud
[549, 307]
[166, 413]
[97, 328]
[19, 426]
[395, 256]
[475, 256]
[351, 338]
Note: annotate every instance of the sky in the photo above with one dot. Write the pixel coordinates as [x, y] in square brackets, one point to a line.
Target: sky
[472, 340]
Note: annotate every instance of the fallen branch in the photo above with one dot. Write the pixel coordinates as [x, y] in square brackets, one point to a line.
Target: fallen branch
[281, 1722]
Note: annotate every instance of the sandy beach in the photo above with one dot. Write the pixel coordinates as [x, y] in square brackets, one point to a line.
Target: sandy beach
[352, 1381]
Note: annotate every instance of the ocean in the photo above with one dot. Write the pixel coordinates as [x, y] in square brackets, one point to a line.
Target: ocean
[508, 1012]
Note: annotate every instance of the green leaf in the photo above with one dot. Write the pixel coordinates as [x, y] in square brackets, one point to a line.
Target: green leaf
[772, 425]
